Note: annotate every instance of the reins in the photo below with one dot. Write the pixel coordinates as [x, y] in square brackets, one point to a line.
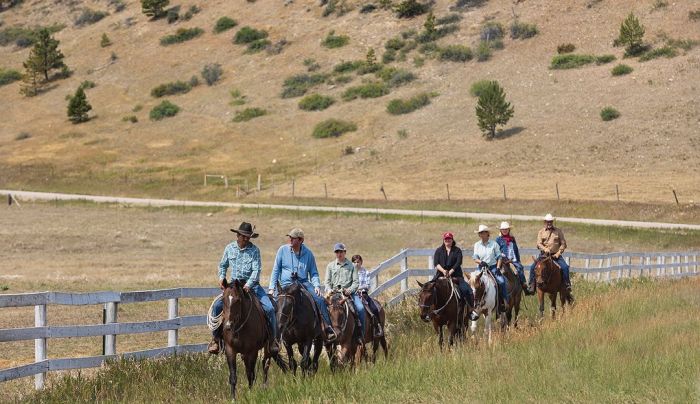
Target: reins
[250, 309]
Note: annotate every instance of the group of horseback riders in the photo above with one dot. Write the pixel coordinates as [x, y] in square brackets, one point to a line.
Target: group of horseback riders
[295, 262]
[490, 255]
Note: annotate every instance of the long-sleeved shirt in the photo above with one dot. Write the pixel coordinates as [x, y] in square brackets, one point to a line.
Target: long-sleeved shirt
[453, 260]
[552, 239]
[363, 278]
[509, 250]
[489, 252]
[342, 274]
[245, 263]
[288, 262]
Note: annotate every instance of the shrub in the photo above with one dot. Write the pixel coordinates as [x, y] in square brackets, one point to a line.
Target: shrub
[491, 31]
[315, 102]
[394, 77]
[395, 44]
[194, 81]
[389, 56]
[130, 118]
[694, 15]
[665, 51]
[311, 65]
[410, 9]
[181, 35]
[273, 48]
[191, 12]
[367, 8]
[347, 67]
[88, 17]
[247, 35]
[631, 35]
[154, 8]
[483, 51]
[298, 85]
[609, 113]
[479, 87]
[163, 110]
[398, 106]
[342, 79]
[449, 19]
[348, 150]
[402, 133]
[603, 59]
[172, 15]
[332, 41]
[571, 61]
[455, 53]
[521, 30]
[87, 84]
[175, 87]
[224, 24]
[333, 128]
[685, 44]
[367, 90]
[566, 48]
[248, 114]
[621, 70]
[258, 45]
[22, 136]
[8, 76]
[104, 41]
[24, 37]
[211, 73]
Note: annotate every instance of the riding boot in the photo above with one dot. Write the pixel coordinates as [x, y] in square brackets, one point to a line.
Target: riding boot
[214, 346]
[530, 290]
[274, 345]
[358, 333]
[526, 289]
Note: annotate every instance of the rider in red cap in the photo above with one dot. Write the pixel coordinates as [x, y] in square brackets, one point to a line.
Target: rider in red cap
[448, 263]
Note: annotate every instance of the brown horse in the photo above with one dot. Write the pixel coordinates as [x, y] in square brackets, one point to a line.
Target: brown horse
[345, 349]
[300, 325]
[369, 329]
[515, 293]
[549, 280]
[438, 302]
[245, 331]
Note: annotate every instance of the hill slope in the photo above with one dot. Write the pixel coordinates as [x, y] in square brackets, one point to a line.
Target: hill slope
[556, 135]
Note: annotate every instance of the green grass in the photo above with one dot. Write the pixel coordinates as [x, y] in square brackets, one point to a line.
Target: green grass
[571, 61]
[621, 70]
[181, 35]
[333, 41]
[603, 59]
[248, 114]
[665, 51]
[333, 128]
[628, 342]
[399, 107]
[455, 53]
[609, 113]
[165, 109]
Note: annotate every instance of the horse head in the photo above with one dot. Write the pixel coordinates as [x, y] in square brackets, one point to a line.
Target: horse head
[232, 297]
[543, 270]
[427, 299]
[287, 300]
[478, 286]
[338, 311]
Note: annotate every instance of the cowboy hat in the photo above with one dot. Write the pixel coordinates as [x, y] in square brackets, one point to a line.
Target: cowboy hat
[504, 226]
[549, 218]
[483, 228]
[246, 229]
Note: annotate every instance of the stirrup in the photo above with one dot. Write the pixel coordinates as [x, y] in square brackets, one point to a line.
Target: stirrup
[213, 347]
[332, 336]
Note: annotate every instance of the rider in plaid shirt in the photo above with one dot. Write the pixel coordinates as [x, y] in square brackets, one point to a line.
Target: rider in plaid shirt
[364, 279]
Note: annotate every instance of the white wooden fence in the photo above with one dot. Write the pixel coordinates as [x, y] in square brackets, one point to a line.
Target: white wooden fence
[597, 267]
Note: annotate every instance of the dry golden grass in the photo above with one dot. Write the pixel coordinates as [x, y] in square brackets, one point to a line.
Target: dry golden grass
[650, 149]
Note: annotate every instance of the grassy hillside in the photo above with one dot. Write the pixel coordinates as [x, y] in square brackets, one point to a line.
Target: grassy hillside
[628, 342]
[556, 135]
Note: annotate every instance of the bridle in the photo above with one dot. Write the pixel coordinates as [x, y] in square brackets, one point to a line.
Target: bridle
[453, 294]
[250, 309]
[347, 313]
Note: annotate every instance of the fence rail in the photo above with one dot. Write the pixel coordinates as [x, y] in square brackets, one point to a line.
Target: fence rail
[597, 267]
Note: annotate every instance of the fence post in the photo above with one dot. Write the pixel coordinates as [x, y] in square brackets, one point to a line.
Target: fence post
[600, 268]
[172, 314]
[695, 265]
[111, 340]
[431, 265]
[586, 264]
[404, 268]
[259, 182]
[39, 344]
[621, 262]
[608, 262]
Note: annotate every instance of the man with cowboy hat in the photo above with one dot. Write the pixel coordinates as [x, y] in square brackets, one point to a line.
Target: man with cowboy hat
[341, 272]
[296, 261]
[509, 250]
[487, 255]
[243, 257]
[550, 240]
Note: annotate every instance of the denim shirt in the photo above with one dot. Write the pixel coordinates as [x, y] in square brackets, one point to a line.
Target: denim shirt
[489, 253]
[504, 248]
[244, 262]
[287, 262]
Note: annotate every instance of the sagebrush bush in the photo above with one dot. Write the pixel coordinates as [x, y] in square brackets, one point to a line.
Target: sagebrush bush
[410, 9]
[87, 84]
[8, 76]
[366, 90]
[399, 106]
[491, 31]
[479, 87]
[333, 41]
[88, 17]
[455, 53]
[22, 136]
[315, 102]
[211, 73]
[247, 35]
[224, 24]
[248, 114]
[449, 19]
[665, 51]
[341, 79]
[609, 113]
[181, 35]
[565, 48]
[395, 44]
[571, 61]
[348, 66]
[130, 118]
[389, 56]
[694, 15]
[395, 77]
[298, 85]
[333, 128]
[621, 70]
[172, 88]
[163, 110]
[483, 51]
[24, 37]
[521, 30]
[258, 45]
[603, 59]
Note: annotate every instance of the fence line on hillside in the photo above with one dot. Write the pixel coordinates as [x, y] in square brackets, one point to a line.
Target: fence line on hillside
[597, 267]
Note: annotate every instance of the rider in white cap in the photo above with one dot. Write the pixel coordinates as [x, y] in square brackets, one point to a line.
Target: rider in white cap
[509, 250]
[550, 240]
[487, 255]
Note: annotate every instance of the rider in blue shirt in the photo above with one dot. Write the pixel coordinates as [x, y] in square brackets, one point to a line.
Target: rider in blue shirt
[509, 250]
[487, 254]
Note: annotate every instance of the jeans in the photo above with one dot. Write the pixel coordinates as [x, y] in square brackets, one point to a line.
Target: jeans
[501, 280]
[360, 310]
[564, 269]
[372, 306]
[520, 270]
[265, 302]
[320, 302]
[465, 291]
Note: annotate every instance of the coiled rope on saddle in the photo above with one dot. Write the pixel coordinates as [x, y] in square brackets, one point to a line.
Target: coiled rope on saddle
[214, 322]
[453, 293]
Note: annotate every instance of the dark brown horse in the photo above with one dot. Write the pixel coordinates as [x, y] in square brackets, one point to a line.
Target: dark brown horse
[515, 292]
[439, 303]
[245, 332]
[369, 329]
[549, 280]
[299, 325]
[345, 349]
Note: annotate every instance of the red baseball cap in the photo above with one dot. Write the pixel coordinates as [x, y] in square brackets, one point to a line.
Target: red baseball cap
[447, 235]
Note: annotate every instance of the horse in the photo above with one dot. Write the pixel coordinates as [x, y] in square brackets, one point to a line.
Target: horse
[345, 349]
[245, 332]
[485, 298]
[549, 280]
[299, 324]
[439, 302]
[515, 292]
[369, 328]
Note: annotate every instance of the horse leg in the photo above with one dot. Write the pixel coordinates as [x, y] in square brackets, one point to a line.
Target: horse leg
[517, 313]
[553, 302]
[563, 295]
[290, 354]
[318, 348]
[250, 360]
[305, 357]
[440, 340]
[231, 360]
[540, 300]
[487, 325]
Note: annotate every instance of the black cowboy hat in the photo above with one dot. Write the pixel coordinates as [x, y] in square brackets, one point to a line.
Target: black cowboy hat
[246, 229]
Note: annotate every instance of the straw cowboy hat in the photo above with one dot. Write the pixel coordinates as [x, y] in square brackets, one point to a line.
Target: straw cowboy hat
[483, 228]
[548, 217]
[246, 229]
[504, 226]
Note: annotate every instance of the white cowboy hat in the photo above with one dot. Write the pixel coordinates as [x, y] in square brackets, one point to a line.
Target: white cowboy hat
[504, 225]
[549, 218]
[482, 228]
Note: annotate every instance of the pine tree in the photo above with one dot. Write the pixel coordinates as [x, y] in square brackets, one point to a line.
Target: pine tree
[45, 55]
[105, 42]
[492, 109]
[371, 58]
[430, 25]
[154, 8]
[31, 82]
[631, 34]
[78, 107]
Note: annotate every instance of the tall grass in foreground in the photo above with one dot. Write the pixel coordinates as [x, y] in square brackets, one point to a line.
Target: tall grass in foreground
[630, 342]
